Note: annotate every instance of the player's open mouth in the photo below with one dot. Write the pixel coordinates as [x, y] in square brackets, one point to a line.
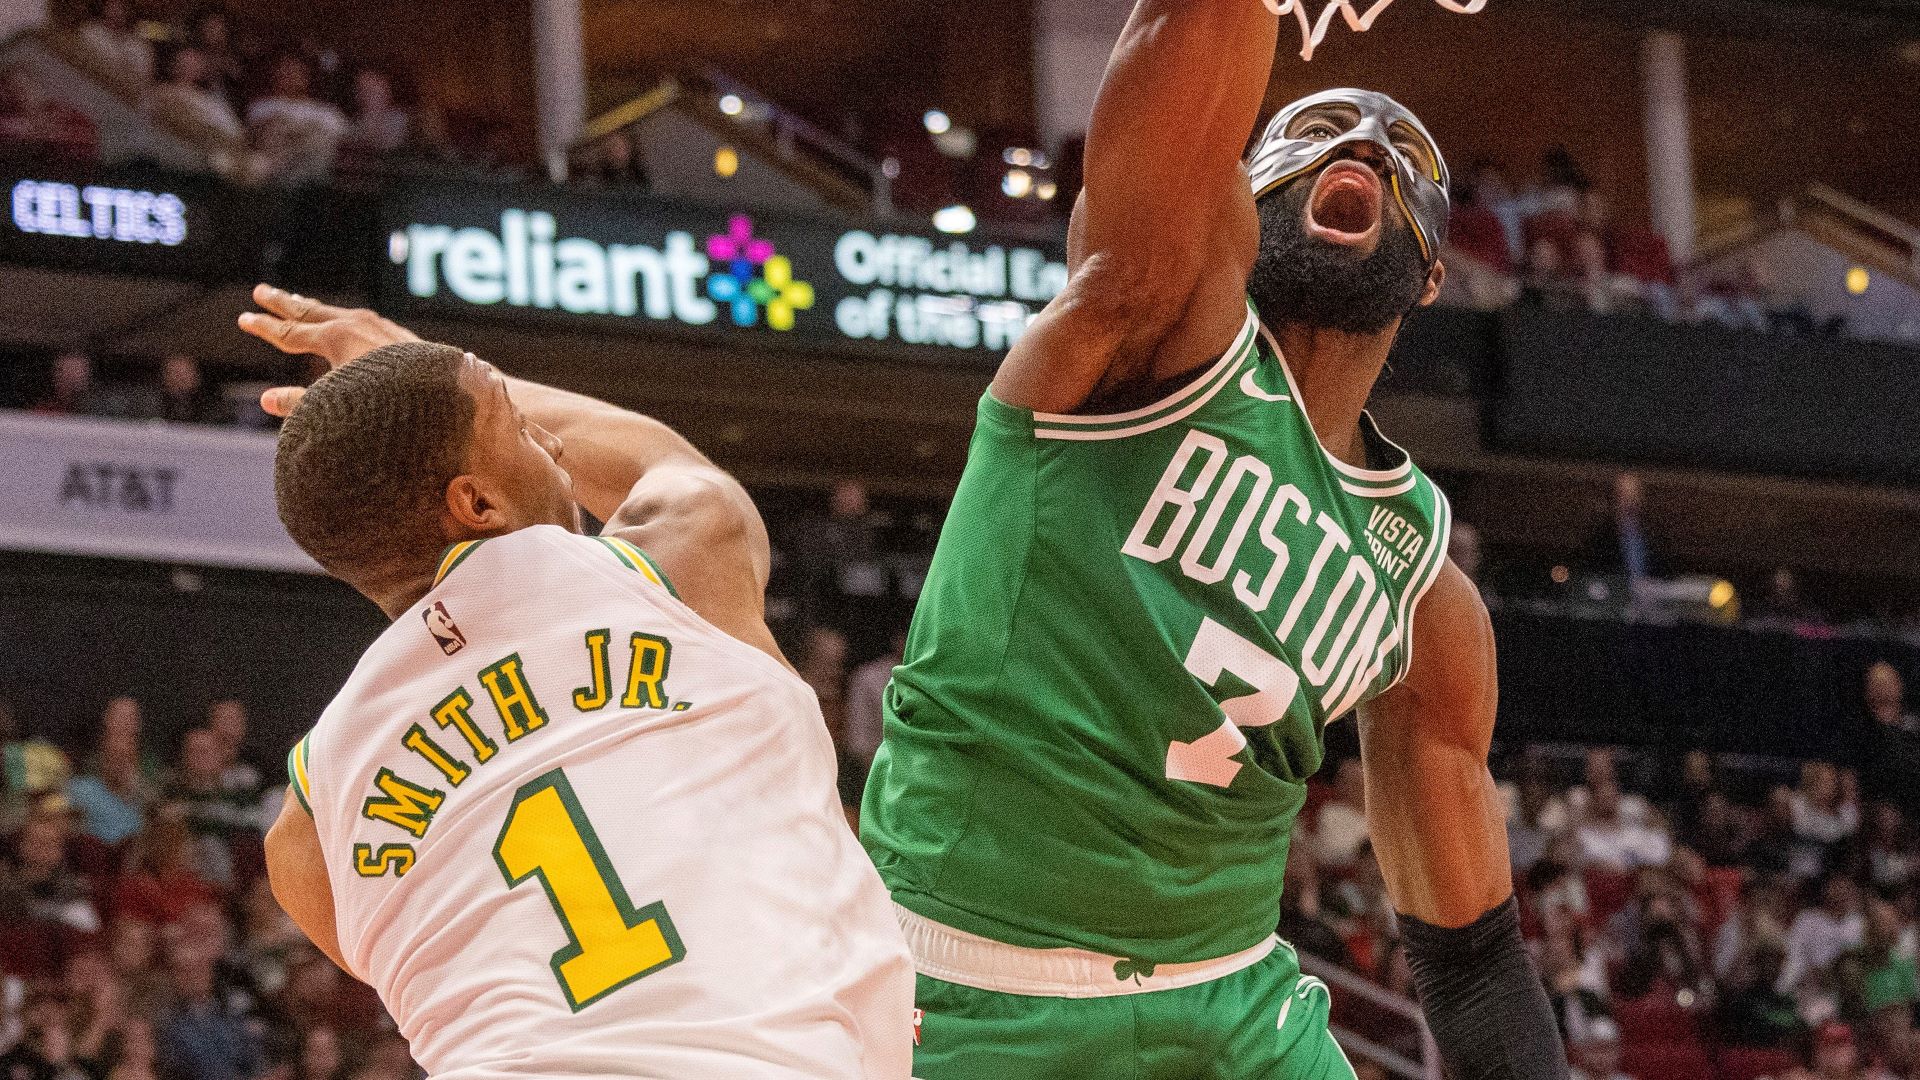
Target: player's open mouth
[1345, 205]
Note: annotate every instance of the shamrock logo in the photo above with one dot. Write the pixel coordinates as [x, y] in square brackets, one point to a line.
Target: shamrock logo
[1132, 969]
[755, 278]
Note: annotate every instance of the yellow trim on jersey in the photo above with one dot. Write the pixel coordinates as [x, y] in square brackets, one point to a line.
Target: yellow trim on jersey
[454, 557]
[633, 558]
[297, 772]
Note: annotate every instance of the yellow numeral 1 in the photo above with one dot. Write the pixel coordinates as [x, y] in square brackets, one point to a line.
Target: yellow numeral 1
[610, 943]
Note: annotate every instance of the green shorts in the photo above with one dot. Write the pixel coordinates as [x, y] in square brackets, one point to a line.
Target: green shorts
[1263, 1022]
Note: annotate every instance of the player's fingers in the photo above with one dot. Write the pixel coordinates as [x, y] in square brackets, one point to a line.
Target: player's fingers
[283, 334]
[280, 400]
[291, 305]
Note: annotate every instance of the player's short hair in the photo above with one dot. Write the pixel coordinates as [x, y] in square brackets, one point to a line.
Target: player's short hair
[363, 463]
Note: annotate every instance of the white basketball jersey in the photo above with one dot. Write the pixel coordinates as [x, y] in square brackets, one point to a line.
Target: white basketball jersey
[574, 830]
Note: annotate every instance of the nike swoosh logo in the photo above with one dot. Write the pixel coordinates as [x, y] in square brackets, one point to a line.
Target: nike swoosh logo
[1252, 389]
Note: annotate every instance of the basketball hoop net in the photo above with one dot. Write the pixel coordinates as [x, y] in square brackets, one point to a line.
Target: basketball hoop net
[1311, 32]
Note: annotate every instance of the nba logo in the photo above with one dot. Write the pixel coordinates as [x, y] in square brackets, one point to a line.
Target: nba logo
[918, 1016]
[441, 625]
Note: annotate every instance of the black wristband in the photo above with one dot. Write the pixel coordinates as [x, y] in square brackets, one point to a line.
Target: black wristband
[1485, 1005]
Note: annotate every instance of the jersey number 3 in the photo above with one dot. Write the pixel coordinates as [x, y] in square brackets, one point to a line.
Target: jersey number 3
[610, 942]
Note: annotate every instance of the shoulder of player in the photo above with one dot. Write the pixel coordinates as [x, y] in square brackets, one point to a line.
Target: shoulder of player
[1453, 658]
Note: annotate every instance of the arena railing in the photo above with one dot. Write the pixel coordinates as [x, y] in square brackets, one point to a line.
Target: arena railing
[1398, 1007]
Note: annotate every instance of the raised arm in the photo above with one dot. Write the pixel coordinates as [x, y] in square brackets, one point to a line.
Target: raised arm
[638, 475]
[1165, 232]
[1439, 831]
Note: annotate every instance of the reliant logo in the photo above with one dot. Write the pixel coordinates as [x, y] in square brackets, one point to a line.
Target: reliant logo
[50, 208]
[743, 290]
[525, 265]
[864, 286]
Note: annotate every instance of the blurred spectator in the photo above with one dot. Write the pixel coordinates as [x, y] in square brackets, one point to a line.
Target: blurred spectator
[1884, 977]
[1820, 934]
[1574, 973]
[1615, 841]
[1753, 1012]
[136, 1058]
[1784, 607]
[319, 1056]
[1527, 831]
[29, 768]
[1825, 812]
[112, 795]
[216, 814]
[189, 99]
[39, 882]
[1826, 805]
[1836, 1056]
[1889, 850]
[1479, 260]
[1601, 768]
[297, 134]
[1656, 934]
[114, 45]
[73, 392]
[1886, 698]
[1548, 281]
[32, 122]
[132, 946]
[46, 1051]
[227, 719]
[1300, 914]
[211, 33]
[1340, 829]
[866, 691]
[159, 884]
[199, 1035]
[1758, 922]
[1562, 188]
[1596, 1055]
[1624, 545]
[184, 397]
[379, 126]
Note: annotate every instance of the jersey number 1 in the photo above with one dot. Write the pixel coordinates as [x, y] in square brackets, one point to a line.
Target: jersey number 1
[610, 943]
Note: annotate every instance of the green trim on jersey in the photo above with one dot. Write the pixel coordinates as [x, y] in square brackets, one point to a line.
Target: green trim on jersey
[1134, 631]
[634, 559]
[298, 774]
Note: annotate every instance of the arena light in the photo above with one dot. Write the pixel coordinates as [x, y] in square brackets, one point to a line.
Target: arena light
[1017, 155]
[1047, 190]
[938, 123]
[1017, 184]
[732, 105]
[1858, 280]
[726, 162]
[957, 220]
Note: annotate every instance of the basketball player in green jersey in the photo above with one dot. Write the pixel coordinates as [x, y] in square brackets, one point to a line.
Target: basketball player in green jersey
[1180, 548]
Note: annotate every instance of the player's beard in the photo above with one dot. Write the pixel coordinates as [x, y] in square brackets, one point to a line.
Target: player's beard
[1300, 279]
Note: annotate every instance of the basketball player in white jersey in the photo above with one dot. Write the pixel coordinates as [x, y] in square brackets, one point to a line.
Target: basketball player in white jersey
[572, 815]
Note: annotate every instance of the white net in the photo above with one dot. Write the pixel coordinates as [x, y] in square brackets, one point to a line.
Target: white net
[1312, 30]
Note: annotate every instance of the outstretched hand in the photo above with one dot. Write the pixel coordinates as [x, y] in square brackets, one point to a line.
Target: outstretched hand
[300, 325]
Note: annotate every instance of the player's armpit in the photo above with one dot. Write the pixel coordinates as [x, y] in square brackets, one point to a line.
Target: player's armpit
[1437, 824]
[298, 876]
[1164, 233]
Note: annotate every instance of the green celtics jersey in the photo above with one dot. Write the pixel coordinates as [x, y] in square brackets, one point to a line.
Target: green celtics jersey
[1135, 629]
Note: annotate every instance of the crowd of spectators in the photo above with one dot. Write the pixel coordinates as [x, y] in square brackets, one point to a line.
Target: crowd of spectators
[175, 388]
[263, 111]
[138, 937]
[1554, 243]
